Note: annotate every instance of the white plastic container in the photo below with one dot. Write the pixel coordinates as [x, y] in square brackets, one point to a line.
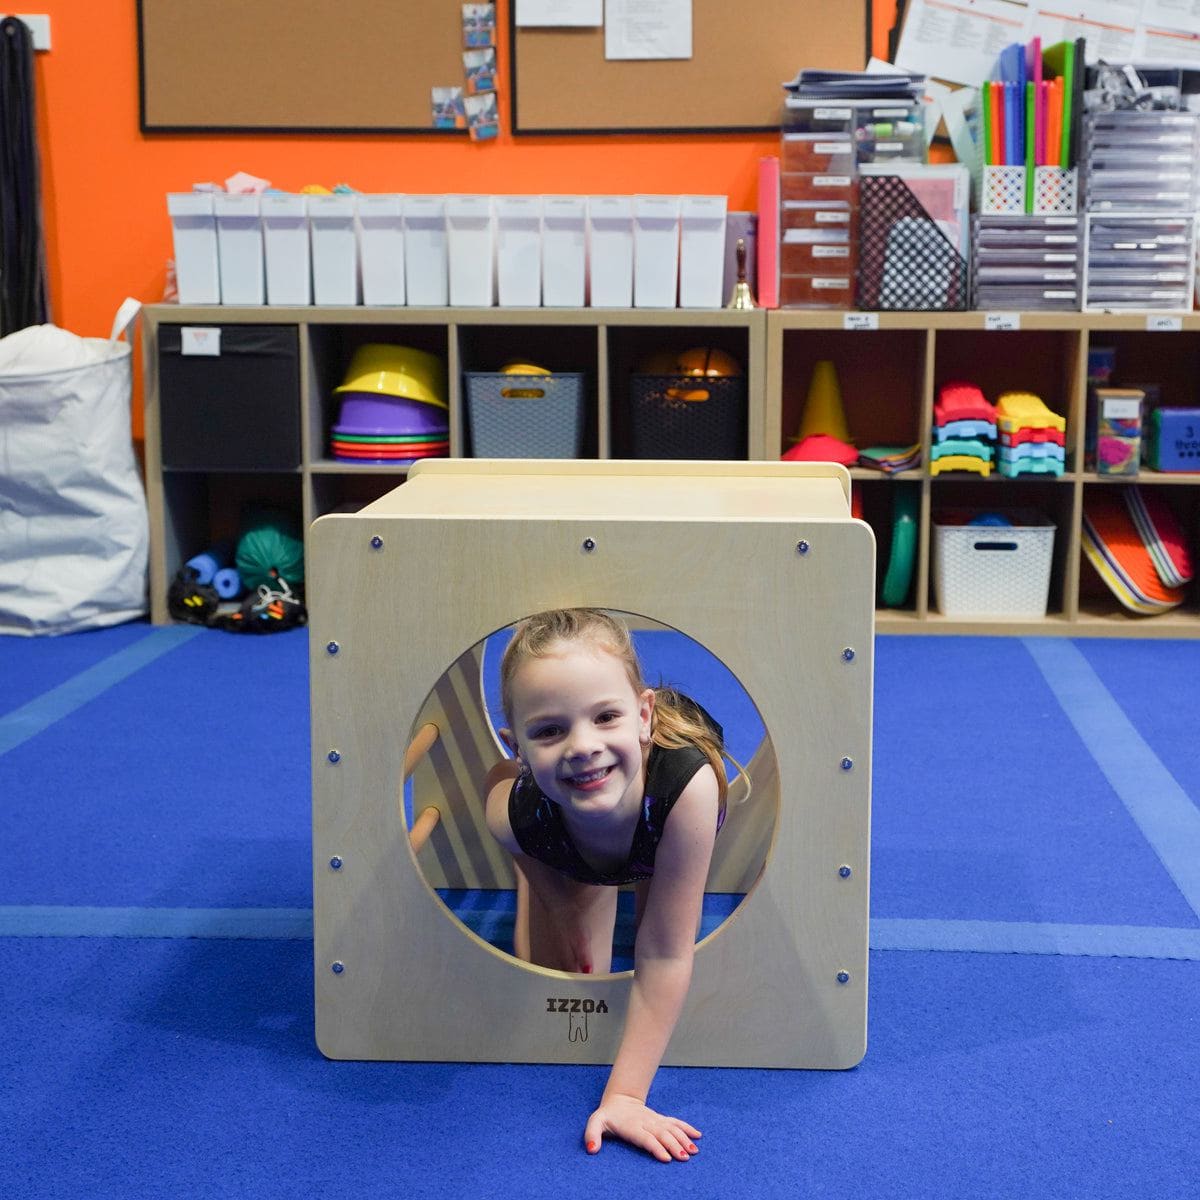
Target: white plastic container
[381, 246]
[655, 251]
[470, 228]
[519, 251]
[240, 248]
[702, 251]
[331, 221]
[286, 248]
[426, 251]
[992, 570]
[194, 234]
[610, 251]
[564, 251]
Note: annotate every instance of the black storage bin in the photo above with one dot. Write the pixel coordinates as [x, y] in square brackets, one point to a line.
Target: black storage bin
[683, 416]
[235, 411]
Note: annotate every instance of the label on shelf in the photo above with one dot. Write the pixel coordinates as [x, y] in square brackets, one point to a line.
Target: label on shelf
[860, 320]
[1163, 323]
[200, 339]
[1002, 320]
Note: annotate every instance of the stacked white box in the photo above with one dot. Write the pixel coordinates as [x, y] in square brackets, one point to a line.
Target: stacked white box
[426, 251]
[655, 251]
[194, 234]
[240, 248]
[702, 251]
[519, 251]
[286, 248]
[610, 251]
[334, 249]
[470, 230]
[564, 251]
[381, 248]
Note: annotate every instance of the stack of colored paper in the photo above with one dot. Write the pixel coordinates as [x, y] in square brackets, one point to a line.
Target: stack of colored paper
[1032, 438]
[1136, 547]
[890, 459]
[964, 431]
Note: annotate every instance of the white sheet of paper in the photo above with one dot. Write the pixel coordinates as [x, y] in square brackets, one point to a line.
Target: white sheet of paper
[1169, 46]
[1183, 15]
[575, 13]
[1108, 26]
[959, 41]
[647, 29]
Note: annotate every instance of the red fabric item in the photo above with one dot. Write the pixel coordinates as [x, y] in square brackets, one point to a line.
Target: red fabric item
[820, 447]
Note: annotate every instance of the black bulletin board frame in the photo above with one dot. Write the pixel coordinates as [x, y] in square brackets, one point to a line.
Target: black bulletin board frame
[570, 94]
[287, 66]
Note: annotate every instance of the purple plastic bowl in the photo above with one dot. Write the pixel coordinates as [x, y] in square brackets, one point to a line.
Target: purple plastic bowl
[365, 412]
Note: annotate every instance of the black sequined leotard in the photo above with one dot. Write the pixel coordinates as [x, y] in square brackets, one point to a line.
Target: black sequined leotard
[541, 832]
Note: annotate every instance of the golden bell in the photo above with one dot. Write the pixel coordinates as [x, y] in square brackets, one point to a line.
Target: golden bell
[743, 297]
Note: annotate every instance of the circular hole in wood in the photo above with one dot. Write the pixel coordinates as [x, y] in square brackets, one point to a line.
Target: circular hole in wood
[472, 875]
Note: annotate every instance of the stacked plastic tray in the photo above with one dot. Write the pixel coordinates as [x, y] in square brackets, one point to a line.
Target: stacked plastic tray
[1030, 263]
[1142, 189]
[823, 142]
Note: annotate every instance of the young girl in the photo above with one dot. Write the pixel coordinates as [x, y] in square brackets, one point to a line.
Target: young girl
[615, 782]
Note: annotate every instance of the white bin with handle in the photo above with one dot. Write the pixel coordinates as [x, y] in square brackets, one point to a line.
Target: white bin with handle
[74, 534]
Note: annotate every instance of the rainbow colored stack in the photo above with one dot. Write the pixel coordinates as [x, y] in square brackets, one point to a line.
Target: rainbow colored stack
[1137, 547]
[1032, 438]
[964, 431]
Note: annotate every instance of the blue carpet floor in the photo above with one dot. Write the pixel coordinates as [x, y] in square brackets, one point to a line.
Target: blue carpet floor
[1035, 934]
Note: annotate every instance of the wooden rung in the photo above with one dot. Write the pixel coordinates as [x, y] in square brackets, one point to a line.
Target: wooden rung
[423, 826]
[420, 746]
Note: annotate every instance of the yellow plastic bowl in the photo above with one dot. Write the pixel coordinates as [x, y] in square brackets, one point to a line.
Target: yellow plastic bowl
[389, 370]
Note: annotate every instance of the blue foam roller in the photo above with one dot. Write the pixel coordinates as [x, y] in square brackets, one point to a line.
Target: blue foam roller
[227, 583]
[205, 565]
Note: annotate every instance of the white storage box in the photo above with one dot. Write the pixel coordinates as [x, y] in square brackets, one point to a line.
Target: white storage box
[655, 251]
[334, 249]
[702, 251]
[194, 233]
[426, 254]
[610, 251]
[381, 247]
[564, 251]
[472, 238]
[286, 248]
[992, 570]
[240, 248]
[519, 251]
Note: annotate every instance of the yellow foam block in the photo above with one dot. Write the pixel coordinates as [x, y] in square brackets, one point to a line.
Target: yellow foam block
[1024, 410]
[960, 462]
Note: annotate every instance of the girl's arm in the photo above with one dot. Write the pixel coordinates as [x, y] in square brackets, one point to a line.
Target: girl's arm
[560, 923]
[666, 944]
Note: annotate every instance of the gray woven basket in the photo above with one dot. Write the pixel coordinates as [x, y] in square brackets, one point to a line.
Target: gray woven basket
[525, 416]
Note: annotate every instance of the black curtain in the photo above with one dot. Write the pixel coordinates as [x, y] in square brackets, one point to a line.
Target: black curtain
[23, 294]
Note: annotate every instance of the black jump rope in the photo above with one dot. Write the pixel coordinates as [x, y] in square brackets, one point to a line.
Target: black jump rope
[24, 296]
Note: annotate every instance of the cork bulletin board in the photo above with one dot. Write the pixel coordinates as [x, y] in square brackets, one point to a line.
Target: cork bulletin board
[741, 54]
[283, 66]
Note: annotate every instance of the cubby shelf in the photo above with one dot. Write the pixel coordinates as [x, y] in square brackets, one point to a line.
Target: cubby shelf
[889, 373]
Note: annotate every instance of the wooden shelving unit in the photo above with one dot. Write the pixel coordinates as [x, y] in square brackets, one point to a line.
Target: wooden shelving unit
[889, 375]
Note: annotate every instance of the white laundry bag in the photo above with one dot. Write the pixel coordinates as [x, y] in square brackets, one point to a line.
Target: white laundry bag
[74, 534]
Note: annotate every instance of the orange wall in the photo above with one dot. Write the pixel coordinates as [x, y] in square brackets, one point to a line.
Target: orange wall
[104, 181]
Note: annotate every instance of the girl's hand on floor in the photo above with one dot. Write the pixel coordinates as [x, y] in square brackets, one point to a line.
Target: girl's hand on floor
[629, 1119]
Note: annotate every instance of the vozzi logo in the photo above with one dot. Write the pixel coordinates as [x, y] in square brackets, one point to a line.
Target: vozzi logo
[578, 1011]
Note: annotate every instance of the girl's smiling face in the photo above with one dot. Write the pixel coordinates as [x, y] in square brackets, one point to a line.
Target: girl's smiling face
[582, 729]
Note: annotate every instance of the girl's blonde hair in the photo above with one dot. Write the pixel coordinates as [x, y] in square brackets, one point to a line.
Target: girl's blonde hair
[675, 723]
